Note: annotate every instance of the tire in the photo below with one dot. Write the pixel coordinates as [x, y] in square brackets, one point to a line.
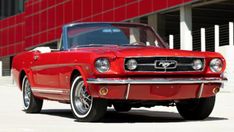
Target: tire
[84, 107]
[31, 103]
[196, 109]
[122, 107]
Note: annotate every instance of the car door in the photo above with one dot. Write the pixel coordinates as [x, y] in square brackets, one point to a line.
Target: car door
[44, 69]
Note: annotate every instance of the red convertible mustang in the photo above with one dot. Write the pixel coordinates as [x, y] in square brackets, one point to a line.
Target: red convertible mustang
[122, 65]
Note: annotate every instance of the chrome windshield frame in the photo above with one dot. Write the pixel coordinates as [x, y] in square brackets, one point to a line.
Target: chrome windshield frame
[64, 44]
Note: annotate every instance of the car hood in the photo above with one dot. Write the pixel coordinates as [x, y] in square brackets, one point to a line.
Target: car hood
[147, 51]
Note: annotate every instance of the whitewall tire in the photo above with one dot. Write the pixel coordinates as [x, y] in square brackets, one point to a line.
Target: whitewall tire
[84, 107]
[31, 103]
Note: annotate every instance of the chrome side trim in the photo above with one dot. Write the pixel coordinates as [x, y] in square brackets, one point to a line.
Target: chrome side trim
[127, 92]
[199, 94]
[48, 66]
[49, 91]
[155, 80]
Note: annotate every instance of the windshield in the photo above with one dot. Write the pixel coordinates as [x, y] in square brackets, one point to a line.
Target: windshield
[100, 34]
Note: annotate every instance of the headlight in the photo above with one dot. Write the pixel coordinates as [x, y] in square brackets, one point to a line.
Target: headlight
[197, 64]
[131, 64]
[216, 65]
[102, 65]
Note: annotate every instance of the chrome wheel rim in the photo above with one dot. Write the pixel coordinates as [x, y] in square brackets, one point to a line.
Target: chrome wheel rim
[26, 93]
[82, 100]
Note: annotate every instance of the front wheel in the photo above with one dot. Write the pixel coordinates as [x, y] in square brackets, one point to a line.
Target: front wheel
[31, 103]
[196, 109]
[84, 107]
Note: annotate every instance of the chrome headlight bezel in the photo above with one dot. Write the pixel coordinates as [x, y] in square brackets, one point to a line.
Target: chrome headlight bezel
[198, 64]
[102, 65]
[131, 64]
[216, 65]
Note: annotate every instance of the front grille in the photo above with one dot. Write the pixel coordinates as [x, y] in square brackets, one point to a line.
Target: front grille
[158, 64]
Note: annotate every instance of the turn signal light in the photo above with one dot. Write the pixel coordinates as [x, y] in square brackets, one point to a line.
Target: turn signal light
[216, 90]
[103, 91]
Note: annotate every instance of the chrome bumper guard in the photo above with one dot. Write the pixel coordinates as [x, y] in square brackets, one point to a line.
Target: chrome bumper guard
[156, 80]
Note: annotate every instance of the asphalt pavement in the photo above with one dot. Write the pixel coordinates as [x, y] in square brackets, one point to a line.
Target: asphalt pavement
[57, 117]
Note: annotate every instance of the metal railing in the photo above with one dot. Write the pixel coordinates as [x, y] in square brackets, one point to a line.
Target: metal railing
[208, 39]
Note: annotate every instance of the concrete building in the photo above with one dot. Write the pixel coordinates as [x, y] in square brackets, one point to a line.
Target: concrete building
[200, 25]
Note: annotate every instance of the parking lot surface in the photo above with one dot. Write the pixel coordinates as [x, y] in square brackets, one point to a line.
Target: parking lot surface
[56, 117]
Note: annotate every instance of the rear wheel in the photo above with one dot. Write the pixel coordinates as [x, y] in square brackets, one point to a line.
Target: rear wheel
[31, 103]
[84, 107]
[196, 109]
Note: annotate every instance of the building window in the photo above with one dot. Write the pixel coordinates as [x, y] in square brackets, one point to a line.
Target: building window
[11, 7]
[19, 6]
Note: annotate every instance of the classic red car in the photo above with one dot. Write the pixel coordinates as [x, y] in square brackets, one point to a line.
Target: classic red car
[124, 65]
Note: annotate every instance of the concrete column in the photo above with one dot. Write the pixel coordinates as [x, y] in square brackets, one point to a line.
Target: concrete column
[203, 39]
[216, 38]
[171, 41]
[186, 40]
[135, 20]
[0, 68]
[134, 34]
[157, 21]
[231, 31]
[153, 21]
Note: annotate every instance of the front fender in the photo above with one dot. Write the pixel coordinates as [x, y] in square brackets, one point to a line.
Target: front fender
[28, 73]
[85, 72]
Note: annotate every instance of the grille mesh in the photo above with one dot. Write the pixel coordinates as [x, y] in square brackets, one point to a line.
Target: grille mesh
[184, 64]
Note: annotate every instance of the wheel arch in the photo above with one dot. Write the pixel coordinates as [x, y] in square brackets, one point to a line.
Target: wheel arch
[21, 77]
[77, 71]
[74, 73]
[22, 73]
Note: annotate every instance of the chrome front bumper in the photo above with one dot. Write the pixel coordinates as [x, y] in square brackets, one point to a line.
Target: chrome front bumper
[129, 82]
[156, 80]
